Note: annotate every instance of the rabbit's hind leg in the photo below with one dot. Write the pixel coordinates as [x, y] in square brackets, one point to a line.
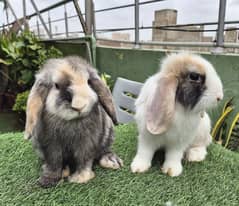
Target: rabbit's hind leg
[110, 160]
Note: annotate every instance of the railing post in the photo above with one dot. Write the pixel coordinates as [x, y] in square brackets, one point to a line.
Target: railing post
[13, 13]
[49, 22]
[66, 21]
[78, 10]
[136, 20]
[40, 17]
[93, 19]
[88, 16]
[38, 29]
[7, 17]
[220, 28]
[24, 14]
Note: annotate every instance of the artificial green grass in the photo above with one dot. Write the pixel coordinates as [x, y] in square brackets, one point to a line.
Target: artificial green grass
[212, 182]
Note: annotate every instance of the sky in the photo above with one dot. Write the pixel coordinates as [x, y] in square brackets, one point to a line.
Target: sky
[189, 11]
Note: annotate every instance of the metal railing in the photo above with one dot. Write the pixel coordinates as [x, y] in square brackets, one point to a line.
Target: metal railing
[87, 20]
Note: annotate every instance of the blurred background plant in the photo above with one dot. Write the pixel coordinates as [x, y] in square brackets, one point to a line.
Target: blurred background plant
[23, 55]
[21, 102]
[20, 57]
[106, 78]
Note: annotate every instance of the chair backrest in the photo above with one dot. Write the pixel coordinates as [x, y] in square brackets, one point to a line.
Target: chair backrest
[124, 93]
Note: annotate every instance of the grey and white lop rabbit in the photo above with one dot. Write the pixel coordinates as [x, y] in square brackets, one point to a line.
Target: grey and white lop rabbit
[70, 115]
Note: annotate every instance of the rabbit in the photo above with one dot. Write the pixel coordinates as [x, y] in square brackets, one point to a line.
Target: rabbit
[171, 112]
[70, 119]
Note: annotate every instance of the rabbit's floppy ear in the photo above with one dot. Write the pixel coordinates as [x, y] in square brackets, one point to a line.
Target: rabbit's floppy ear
[35, 105]
[160, 106]
[104, 94]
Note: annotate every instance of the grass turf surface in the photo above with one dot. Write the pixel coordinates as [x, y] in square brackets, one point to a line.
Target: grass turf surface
[212, 182]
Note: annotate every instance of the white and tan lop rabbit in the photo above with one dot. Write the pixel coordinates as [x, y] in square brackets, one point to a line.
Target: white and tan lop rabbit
[171, 112]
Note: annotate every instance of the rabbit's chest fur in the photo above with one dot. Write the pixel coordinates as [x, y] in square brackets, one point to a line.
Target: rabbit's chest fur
[85, 137]
[180, 134]
[182, 131]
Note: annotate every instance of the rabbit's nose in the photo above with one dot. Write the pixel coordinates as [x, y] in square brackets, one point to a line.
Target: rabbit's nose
[78, 109]
[219, 97]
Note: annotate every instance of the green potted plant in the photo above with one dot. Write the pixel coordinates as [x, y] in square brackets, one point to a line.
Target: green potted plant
[21, 56]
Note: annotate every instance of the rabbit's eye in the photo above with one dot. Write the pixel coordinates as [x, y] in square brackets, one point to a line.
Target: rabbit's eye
[57, 86]
[193, 76]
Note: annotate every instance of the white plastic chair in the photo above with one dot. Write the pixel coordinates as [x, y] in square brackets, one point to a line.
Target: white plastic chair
[124, 93]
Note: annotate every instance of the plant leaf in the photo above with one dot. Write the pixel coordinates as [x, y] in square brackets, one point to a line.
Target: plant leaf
[4, 62]
[26, 76]
[34, 47]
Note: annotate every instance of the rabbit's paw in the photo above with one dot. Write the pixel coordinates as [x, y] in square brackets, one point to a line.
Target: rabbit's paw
[196, 154]
[27, 135]
[111, 160]
[138, 165]
[66, 172]
[82, 177]
[172, 169]
[45, 181]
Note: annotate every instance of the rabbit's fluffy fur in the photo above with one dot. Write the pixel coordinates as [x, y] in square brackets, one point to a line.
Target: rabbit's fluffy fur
[70, 116]
[170, 112]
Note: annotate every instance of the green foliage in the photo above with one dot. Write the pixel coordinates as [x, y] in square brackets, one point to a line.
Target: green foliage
[24, 55]
[106, 78]
[21, 102]
[225, 132]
